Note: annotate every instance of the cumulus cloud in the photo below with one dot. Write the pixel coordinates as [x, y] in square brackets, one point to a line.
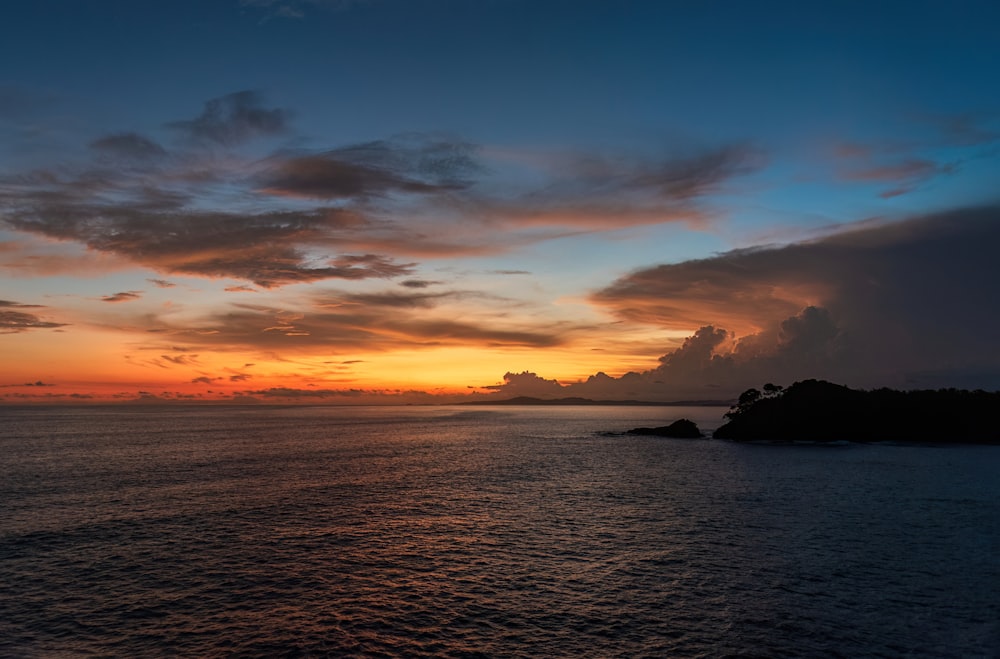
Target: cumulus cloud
[528, 384]
[233, 119]
[887, 304]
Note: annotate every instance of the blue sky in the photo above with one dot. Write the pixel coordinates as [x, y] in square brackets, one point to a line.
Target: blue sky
[519, 159]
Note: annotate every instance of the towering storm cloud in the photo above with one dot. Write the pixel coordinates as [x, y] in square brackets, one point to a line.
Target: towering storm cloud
[889, 304]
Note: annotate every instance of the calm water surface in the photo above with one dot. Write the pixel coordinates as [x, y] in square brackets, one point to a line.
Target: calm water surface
[482, 532]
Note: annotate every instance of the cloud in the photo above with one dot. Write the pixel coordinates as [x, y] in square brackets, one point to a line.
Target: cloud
[342, 213]
[233, 119]
[905, 175]
[878, 305]
[390, 299]
[966, 129]
[337, 322]
[18, 305]
[15, 322]
[288, 392]
[356, 396]
[595, 192]
[693, 176]
[363, 266]
[408, 164]
[904, 170]
[906, 166]
[528, 384]
[240, 289]
[129, 146]
[297, 9]
[181, 360]
[123, 296]
[161, 283]
[263, 248]
[418, 283]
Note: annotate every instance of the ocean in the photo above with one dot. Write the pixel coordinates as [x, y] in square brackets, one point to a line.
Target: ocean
[482, 532]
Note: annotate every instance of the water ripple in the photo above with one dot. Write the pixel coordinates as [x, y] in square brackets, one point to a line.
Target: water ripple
[521, 533]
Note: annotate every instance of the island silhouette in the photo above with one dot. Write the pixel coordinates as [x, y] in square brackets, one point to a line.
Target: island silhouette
[821, 411]
[817, 410]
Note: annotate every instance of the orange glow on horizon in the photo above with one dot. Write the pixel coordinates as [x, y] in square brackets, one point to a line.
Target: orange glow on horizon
[89, 365]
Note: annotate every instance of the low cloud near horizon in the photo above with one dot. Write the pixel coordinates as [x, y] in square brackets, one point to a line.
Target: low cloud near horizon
[907, 304]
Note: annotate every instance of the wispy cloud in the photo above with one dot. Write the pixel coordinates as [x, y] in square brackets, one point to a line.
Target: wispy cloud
[129, 146]
[123, 296]
[903, 175]
[407, 164]
[233, 119]
[297, 9]
[346, 212]
[181, 360]
[945, 144]
[347, 323]
[15, 322]
[418, 283]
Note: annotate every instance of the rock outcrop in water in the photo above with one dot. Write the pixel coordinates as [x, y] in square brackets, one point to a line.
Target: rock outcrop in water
[681, 429]
[816, 410]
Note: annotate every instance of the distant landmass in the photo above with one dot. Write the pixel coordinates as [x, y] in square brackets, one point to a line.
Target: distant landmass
[816, 410]
[528, 400]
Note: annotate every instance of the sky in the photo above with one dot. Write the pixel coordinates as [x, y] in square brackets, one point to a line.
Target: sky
[413, 201]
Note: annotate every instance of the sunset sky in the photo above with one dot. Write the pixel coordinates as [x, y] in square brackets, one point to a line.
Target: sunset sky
[338, 201]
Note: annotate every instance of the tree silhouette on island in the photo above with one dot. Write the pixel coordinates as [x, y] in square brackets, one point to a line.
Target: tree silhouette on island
[816, 410]
[820, 411]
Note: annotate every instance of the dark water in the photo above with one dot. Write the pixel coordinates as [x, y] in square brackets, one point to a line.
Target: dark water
[465, 532]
